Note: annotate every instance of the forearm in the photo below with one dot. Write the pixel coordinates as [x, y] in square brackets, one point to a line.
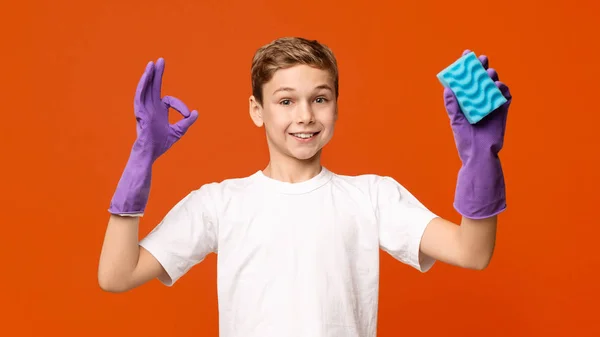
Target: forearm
[477, 240]
[120, 252]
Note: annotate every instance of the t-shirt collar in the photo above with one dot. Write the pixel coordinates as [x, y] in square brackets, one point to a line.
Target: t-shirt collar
[295, 188]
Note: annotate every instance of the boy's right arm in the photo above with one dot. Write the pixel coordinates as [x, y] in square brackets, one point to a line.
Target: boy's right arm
[124, 264]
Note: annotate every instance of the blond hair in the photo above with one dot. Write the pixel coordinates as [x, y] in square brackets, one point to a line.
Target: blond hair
[287, 52]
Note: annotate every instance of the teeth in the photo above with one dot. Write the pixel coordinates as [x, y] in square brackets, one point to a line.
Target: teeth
[303, 135]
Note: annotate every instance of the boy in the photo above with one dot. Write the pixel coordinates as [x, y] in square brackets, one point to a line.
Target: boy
[298, 245]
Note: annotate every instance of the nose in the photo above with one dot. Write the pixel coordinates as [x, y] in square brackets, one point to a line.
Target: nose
[305, 114]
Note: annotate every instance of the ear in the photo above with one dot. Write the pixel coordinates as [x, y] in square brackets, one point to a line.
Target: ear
[256, 112]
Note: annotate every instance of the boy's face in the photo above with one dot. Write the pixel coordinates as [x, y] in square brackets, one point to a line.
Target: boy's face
[299, 111]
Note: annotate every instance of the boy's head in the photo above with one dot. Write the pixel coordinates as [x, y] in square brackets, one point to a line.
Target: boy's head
[294, 95]
[285, 53]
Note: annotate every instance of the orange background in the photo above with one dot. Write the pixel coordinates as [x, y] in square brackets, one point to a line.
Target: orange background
[70, 69]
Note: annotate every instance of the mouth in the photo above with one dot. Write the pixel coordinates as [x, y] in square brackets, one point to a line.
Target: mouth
[305, 135]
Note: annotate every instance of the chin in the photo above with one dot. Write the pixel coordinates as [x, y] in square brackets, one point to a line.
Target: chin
[305, 155]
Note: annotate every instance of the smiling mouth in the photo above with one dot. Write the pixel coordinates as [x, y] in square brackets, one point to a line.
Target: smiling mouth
[305, 135]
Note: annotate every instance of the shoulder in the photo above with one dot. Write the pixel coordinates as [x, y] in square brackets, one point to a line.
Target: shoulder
[228, 185]
[376, 187]
[219, 191]
[366, 182]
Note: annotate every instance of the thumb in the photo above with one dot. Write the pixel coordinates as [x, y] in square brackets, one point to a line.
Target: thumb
[452, 107]
[181, 127]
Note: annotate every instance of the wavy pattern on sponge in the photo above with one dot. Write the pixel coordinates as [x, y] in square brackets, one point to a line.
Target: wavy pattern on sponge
[475, 91]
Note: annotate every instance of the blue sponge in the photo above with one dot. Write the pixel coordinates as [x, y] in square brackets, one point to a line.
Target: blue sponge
[475, 91]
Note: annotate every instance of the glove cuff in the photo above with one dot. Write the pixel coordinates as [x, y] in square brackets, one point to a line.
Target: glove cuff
[133, 189]
[480, 188]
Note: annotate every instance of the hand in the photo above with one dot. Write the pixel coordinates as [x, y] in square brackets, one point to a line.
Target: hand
[480, 190]
[154, 137]
[154, 133]
[487, 133]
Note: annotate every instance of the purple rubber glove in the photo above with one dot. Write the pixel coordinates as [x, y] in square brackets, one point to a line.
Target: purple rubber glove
[480, 190]
[154, 137]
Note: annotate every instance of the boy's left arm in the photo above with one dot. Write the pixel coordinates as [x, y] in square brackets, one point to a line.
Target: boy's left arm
[480, 190]
[468, 245]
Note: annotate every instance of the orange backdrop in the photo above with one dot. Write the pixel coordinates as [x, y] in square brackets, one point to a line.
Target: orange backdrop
[70, 69]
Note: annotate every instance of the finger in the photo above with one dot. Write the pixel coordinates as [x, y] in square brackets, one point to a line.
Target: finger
[146, 94]
[157, 81]
[493, 74]
[182, 126]
[466, 52]
[176, 104]
[504, 90]
[142, 85]
[484, 61]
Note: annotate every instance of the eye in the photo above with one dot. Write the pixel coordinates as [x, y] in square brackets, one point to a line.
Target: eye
[285, 102]
[321, 100]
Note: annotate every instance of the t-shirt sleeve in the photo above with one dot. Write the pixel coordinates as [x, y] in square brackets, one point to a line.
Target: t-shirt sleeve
[402, 220]
[185, 236]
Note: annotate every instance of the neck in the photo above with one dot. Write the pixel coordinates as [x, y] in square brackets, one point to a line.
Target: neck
[293, 170]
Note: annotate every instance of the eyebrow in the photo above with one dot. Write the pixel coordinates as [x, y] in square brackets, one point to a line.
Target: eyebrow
[322, 86]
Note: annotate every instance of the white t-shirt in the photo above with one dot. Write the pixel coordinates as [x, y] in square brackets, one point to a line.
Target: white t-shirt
[294, 259]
